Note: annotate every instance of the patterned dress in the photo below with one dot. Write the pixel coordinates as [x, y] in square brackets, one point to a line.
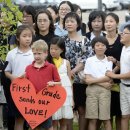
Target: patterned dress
[76, 50]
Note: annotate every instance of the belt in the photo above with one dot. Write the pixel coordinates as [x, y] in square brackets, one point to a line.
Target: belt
[127, 85]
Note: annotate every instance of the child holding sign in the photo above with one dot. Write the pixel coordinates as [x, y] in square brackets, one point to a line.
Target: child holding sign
[18, 59]
[57, 57]
[42, 74]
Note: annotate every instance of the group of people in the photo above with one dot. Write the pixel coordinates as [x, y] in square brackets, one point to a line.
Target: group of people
[51, 47]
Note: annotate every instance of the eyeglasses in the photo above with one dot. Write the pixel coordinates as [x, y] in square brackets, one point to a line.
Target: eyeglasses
[123, 33]
[65, 9]
[43, 20]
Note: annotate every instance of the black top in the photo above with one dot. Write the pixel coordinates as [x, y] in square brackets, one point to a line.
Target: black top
[115, 51]
[47, 38]
[88, 35]
[83, 29]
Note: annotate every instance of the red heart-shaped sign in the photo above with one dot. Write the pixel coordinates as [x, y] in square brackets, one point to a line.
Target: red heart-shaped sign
[36, 107]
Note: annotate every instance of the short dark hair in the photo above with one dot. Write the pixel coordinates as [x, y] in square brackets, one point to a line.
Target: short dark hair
[101, 39]
[53, 7]
[75, 16]
[93, 15]
[30, 10]
[127, 27]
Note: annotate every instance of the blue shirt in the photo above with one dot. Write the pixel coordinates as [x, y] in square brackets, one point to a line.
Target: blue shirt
[60, 31]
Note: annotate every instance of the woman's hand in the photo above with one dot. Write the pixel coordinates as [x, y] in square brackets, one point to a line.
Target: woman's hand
[110, 74]
[111, 58]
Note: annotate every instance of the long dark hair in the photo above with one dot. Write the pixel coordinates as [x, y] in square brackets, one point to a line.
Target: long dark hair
[60, 42]
[51, 27]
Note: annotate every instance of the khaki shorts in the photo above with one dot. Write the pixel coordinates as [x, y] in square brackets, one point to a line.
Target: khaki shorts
[125, 99]
[98, 103]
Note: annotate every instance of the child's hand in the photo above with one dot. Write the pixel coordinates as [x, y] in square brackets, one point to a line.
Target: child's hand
[22, 76]
[89, 81]
[13, 78]
[107, 85]
[51, 83]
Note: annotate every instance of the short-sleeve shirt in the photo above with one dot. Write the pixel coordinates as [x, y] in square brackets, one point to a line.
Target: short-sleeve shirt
[125, 63]
[41, 76]
[18, 61]
[97, 68]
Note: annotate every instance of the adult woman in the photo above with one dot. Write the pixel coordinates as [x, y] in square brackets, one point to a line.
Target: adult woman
[28, 18]
[114, 50]
[96, 24]
[78, 10]
[28, 15]
[64, 8]
[54, 12]
[44, 26]
[77, 47]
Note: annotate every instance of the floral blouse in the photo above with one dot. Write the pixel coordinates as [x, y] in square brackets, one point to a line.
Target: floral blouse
[76, 50]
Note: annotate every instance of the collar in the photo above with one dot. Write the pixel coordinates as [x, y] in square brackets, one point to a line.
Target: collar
[97, 60]
[29, 52]
[127, 48]
[93, 35]
[44, 65]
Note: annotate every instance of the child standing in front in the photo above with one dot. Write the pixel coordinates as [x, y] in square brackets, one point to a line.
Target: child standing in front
[18, 59]
[42, 74]
[125, 78]
[98, 90]
[57, 57]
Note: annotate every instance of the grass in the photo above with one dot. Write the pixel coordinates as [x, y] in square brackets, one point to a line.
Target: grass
[75, 126]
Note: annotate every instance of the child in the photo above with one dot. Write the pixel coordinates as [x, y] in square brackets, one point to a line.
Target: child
[125, 78]
[42, 74]
[98, 90]
[18, 59]
[57, 57]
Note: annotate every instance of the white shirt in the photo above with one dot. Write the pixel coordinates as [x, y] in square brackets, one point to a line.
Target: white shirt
[97, 68]
[18, 61]
[93, 35]
[125, 63]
